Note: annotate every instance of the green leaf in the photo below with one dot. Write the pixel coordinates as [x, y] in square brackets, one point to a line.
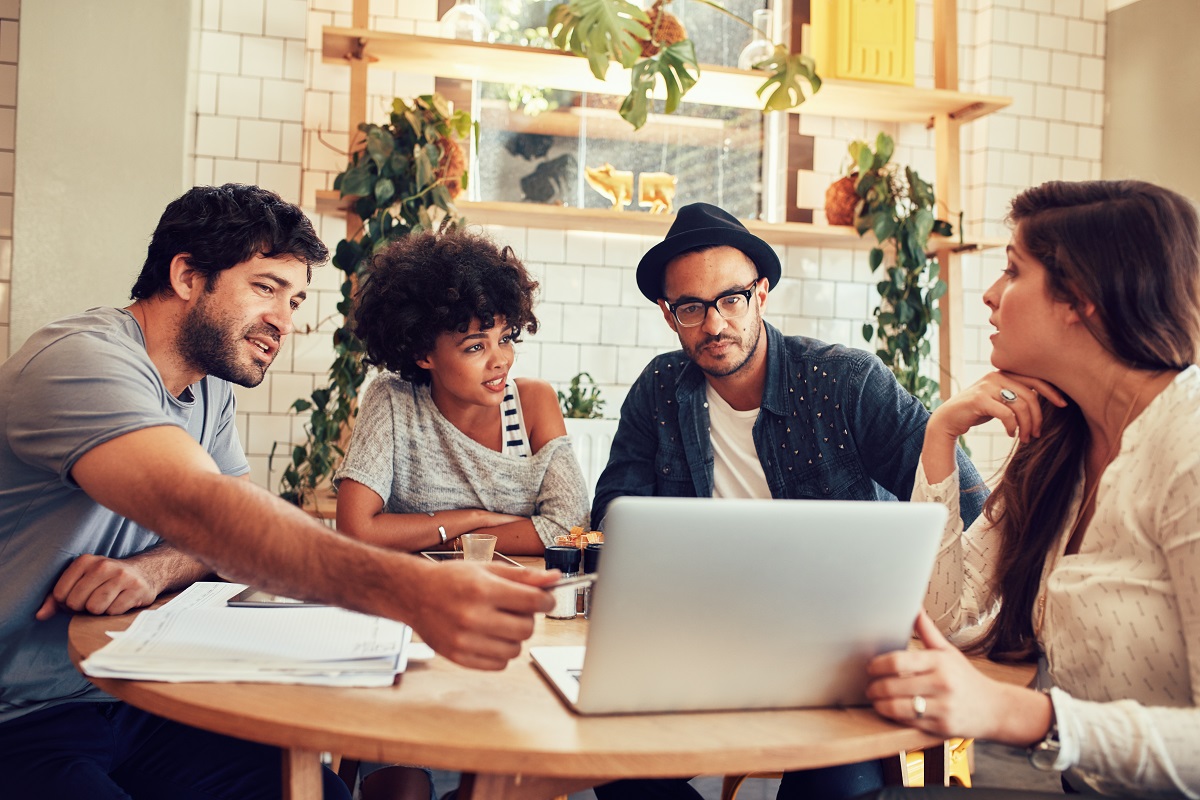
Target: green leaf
[426, 164]
[346, 256]
[922, 222]
[875, 258]
[788, 70]
[938, 290]
[601, 30]
[866, 160]
[356, 181]
[672, 63]
[379, 145]
[884, 147]
[884, 227]
[868, 332]
[385, 190]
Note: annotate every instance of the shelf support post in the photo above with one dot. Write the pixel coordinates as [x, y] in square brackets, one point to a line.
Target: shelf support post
[358, 97]
[948, 188]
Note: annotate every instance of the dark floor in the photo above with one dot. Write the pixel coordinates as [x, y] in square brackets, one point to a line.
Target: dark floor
[995, 766]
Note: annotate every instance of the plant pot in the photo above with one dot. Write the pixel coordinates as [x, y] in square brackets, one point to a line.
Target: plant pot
[841, 201]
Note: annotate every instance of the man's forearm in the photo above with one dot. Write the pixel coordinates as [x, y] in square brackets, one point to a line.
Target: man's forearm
[160, 478]
[248, 535]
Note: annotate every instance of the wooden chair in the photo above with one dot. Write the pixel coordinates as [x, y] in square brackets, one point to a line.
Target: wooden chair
[955, 766]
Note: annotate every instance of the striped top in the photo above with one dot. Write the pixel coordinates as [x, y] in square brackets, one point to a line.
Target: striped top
[417, 461]
[512, 421]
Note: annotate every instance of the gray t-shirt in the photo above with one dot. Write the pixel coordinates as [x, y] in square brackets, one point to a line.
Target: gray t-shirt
[75, 384]
[414, 458]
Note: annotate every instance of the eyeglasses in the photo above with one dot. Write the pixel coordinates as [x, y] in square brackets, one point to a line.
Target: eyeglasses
[731, 305]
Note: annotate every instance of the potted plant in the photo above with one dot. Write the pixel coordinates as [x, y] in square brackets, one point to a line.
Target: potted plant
[897, 207]
[402, 178]
[652, 44]
[590, 431]
[579, 401]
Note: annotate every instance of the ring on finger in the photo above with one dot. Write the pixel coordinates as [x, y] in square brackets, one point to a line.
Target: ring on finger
[1008, 395]
[919, 705]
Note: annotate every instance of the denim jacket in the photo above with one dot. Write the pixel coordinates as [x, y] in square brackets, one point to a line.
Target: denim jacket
[834, 424]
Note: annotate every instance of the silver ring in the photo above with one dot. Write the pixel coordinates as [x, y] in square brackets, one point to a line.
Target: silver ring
[1008, 395]
[919, 705]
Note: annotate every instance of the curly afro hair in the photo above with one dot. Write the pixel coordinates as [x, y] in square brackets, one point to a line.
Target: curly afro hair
[428, 284]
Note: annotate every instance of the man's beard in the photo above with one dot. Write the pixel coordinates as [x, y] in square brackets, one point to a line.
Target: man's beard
[749, 342]
[209, 345]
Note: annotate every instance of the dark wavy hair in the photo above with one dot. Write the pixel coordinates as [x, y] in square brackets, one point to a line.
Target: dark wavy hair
[222, 226]
[428, 284]
[1132, 250]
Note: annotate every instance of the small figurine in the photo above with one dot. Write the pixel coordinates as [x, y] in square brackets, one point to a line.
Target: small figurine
[616, 185]
[656, 191]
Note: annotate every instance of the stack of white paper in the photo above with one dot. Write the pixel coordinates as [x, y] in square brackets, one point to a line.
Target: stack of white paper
[196, 637]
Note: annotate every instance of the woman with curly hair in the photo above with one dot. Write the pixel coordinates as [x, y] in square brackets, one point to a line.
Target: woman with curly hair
[1088, 550]
[446, 442]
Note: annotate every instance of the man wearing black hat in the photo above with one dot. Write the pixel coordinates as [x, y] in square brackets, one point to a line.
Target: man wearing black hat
[744, 411]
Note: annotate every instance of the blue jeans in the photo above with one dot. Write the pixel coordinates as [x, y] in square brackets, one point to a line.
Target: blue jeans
[828, 783]
[113, 751]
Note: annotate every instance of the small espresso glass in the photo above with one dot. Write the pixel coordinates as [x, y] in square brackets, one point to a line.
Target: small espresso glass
[478, 546]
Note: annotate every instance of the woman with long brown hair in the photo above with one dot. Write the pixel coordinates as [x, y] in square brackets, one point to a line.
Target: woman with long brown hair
[1088, 551]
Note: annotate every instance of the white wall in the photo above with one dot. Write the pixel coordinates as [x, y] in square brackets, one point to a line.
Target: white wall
[1150, 127]
[103, 145]
[10, 12]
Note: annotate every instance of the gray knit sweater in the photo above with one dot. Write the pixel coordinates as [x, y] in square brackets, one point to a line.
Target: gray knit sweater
[405, 451]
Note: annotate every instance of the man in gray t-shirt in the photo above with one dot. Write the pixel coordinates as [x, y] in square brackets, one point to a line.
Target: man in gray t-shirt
[116, 429]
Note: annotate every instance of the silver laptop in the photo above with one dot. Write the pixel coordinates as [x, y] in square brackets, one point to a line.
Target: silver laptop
[704, 605]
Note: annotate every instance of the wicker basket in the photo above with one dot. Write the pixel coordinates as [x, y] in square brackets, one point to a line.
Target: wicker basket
[841, 201]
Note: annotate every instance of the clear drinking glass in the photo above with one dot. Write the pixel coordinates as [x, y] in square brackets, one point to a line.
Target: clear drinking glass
[478, 546]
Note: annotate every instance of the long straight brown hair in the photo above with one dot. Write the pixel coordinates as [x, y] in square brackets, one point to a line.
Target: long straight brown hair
[1132, 249]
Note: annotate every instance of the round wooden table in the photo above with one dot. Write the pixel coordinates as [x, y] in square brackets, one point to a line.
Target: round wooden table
[507, 731]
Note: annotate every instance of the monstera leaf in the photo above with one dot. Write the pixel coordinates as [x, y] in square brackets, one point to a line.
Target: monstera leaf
[602, 30]
[787, 71]
[676, 65]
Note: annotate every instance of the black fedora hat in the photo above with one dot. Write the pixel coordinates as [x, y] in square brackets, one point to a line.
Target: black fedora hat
[703, 225]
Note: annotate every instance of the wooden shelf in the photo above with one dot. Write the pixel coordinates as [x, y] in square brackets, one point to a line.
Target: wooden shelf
[724, 86]
[535, 215]
[602, 123]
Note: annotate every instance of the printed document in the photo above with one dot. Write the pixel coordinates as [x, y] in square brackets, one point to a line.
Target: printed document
[197, 637]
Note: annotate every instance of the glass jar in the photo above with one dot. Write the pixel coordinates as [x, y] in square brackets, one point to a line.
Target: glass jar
[465, 21]
[761, 47]
[565, 560]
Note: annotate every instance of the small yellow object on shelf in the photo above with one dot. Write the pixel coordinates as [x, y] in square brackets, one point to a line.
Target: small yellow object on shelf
[614, 184]
[656, 191]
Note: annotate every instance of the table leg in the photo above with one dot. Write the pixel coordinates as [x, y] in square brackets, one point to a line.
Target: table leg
[482, 786]
[302, 775]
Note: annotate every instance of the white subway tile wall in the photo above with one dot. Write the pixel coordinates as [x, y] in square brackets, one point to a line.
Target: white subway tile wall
[9, 29]
[270, 111]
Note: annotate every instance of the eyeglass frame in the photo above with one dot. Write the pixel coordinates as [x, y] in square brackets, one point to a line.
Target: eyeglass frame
[748, 292]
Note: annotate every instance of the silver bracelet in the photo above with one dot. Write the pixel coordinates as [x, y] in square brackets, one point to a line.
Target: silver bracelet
[442, 533]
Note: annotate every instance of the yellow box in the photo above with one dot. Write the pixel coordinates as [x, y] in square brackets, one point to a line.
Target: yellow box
[864, 40]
